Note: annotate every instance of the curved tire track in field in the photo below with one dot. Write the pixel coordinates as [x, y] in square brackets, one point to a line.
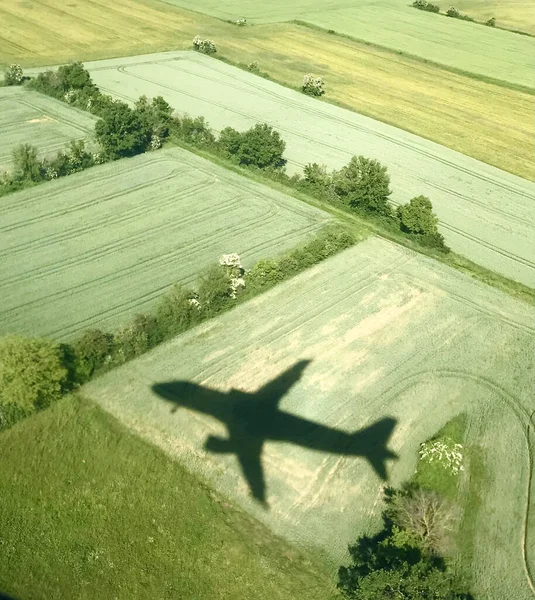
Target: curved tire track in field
[524, 418]
[349, 124]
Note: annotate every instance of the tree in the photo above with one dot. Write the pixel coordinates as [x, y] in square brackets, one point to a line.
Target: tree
[74, 77]
[31, 372]
[121, 131]
[261, 146]
[417, 216]
[427, 516]
[91, 352]
[364, 184]
[391, 565]
[156, 115]
[25, 163]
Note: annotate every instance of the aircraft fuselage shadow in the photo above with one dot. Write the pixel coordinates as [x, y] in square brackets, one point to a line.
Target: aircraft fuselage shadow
[253, 419]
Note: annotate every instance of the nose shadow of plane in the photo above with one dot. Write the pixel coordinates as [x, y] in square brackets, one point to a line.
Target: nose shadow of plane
[253, 419]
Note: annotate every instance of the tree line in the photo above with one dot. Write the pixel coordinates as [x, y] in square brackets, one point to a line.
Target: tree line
[362, 186]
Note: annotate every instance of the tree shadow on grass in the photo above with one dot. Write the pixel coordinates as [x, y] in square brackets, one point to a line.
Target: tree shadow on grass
[253, 419]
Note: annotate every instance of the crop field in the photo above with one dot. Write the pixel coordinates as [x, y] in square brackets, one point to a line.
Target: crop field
[388, 335]
[513, 14]
[30, 118]
[486, 214]
[489, 122]
[94, 248]
[396, 25]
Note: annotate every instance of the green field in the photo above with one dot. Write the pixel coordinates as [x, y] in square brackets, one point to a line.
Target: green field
[390, 334]
[96, 247]
[89, 511]
[485, 214]
[396, 25]
[30, 118]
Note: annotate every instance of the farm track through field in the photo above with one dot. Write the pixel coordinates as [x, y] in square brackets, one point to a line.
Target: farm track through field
[499, 208]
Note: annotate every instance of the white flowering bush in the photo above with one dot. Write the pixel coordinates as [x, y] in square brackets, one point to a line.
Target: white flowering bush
[444, 452]
[230, 260]
[241, 22]
[70, 96]
[195, 303]
[51, 173]
[155, 142]
[235, 270]
[253, 67]
[204, 46]
[13, 75]
[98, 158]
[313, 86]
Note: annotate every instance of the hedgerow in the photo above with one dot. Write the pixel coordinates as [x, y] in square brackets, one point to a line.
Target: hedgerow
[34, 373]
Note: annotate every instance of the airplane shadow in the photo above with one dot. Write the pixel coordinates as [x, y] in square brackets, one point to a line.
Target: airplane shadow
[252, 419]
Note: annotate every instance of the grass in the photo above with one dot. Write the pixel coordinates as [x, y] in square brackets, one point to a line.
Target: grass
[104, 249]
[432, 475]
[30, 118]
[90, 511]
[486, 121]
[389, 334]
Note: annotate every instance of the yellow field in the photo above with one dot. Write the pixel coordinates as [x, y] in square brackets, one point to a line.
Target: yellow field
[513, 14]
[488, 122]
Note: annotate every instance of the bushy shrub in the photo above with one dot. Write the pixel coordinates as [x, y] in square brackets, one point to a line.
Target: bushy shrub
[14, 75]
[491, 22]
[241, 22]
[417, 216]
[157, 115]
[313, 86]
[453, 12]
[261, 146]
[214, 291]
[92, 351]
[424, 5]
[364, 184]
[204, 46]
[129, 341]
[31, 373]
[176, 312]
[253, 67]
[121, 132]
[26, 165]
[195, 131]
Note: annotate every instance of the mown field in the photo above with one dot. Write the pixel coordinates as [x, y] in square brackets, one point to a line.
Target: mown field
[30, 118]
[389, 334]
[96, 247]
[396, 25]
[90, 511]
[486, 214]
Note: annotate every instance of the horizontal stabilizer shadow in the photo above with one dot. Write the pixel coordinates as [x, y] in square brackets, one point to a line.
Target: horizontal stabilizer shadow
[252, 419]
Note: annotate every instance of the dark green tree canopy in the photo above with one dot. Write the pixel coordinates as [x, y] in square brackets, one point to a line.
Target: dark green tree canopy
[121, 131]
[417, 216]
[364, 184]
[261, 146]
